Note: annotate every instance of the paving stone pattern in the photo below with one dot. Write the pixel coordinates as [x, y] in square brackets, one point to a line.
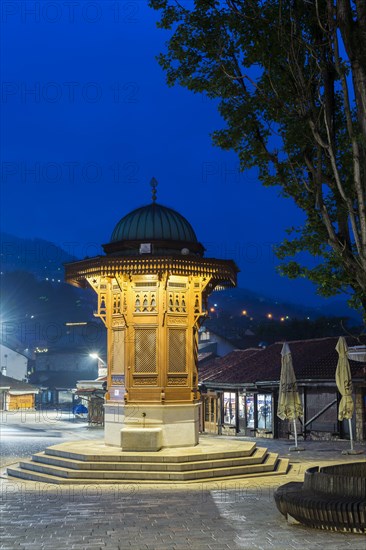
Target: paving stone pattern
[90, 517]
[222, 515]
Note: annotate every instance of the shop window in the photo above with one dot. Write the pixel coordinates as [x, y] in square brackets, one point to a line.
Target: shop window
[264, 405]
[249, 403]
[229, 408]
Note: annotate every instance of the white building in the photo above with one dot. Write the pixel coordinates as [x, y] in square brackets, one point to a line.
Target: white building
[13, 363]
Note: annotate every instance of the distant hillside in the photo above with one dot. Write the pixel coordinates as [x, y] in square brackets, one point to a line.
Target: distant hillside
[37, 256]
[35, 311]
[44, 260]
[258, 306]
[35, 301]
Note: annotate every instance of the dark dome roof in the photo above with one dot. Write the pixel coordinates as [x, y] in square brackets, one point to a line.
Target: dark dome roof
[165, 229]
[153, 222]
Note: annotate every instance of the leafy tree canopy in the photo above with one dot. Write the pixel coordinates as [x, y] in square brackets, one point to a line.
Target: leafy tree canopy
[290, 79]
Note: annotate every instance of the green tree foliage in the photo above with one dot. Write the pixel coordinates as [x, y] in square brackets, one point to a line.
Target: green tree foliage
[290, 80]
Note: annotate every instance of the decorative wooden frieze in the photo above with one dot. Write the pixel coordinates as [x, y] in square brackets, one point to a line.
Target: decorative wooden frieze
[218, 272]
[118, 323]
[145, 381]
[181, 321]
[175, 381]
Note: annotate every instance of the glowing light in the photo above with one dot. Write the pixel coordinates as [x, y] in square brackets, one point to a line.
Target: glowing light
[96, 356]
[41, 350]
[212, 309]
[282, 319]
[244, 312]
[269, 315]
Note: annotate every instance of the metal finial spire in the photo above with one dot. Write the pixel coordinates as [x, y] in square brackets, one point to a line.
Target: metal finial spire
[154, 184]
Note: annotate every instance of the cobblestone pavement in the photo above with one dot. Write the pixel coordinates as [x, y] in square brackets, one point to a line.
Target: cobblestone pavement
[237, 514]
[134, 517]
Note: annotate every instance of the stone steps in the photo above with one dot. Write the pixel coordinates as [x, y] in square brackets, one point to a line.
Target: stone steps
[273, 467]
[63, 450]
[257, 457]
[90, 462]
[269, 464]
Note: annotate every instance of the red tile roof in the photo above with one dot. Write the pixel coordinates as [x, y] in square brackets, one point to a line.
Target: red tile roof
[223, 368]
[312, 359]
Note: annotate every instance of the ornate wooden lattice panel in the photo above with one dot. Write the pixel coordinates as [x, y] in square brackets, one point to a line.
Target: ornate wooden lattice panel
[177, 350]
[197, 303]
[177, 302]
[118, 352]
[145, 350]
[116, 310]
[145, 302]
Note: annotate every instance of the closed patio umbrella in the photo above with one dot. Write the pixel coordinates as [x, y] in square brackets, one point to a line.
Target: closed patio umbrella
[289, 403]
[344, 385]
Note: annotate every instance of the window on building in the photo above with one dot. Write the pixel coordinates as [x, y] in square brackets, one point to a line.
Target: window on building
[264, 405]
[249, 403]
[229, 408]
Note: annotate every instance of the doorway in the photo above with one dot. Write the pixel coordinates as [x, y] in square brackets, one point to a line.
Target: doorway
[210, 414]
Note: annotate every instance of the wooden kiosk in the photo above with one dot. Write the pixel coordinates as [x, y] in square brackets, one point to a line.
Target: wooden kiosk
[152, 287]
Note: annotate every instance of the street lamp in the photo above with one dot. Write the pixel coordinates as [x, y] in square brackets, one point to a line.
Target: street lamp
[5, 367]
[96, 356]
[102, 365]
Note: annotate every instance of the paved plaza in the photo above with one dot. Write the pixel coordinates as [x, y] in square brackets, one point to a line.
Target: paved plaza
[236, 514]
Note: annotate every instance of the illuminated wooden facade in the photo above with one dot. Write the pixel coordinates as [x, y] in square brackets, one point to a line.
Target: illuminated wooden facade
[152, 309]
[152, 287]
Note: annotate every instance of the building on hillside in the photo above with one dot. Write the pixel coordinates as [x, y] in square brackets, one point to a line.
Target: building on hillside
[16, 394]
[240, 391]
[223, 342]
[211, 344]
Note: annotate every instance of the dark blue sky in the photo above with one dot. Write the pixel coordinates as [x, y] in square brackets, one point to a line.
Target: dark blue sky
[88, 120]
